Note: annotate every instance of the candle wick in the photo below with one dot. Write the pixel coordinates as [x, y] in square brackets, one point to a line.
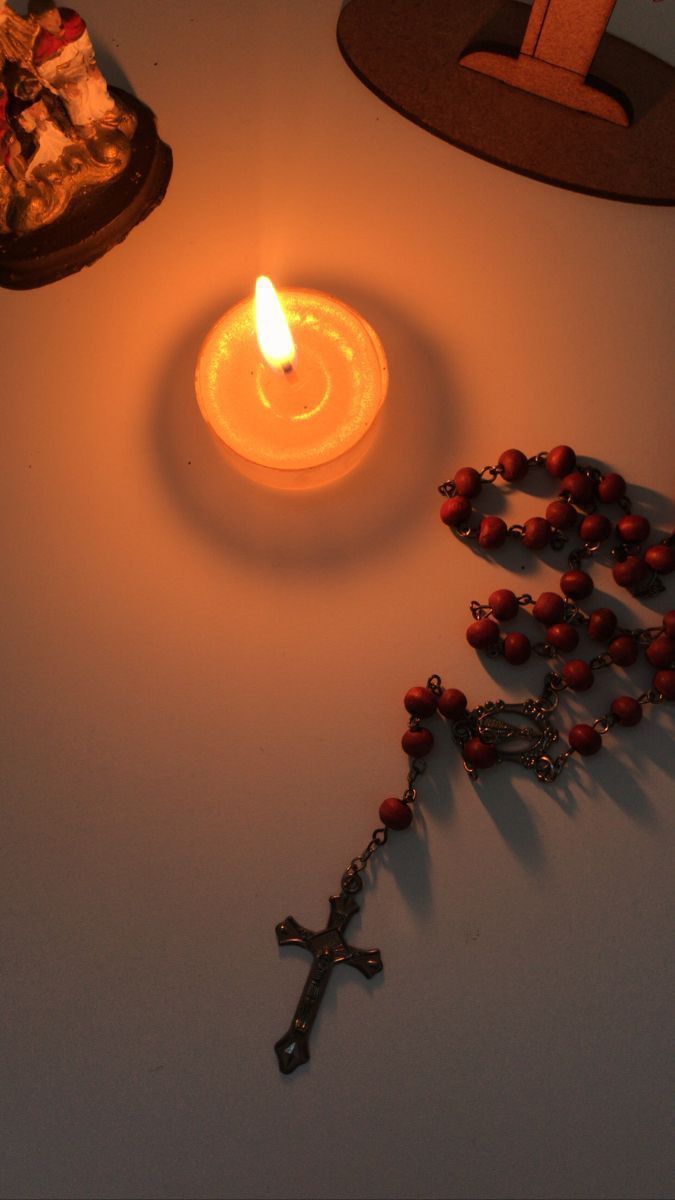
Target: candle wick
[289, 371]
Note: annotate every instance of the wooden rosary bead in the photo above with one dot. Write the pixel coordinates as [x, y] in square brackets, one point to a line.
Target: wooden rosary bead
[560, 461]
[661, 558]
[578, 675]
[585, 739]
[661, 652]
[601, 624]
[669, 623]
[536, 533]
[611, 488]
[514, 465]
[455, 511]
[395, 814]
[664, 682]
[549, 608]
[492, 533]
[479, 754]
[420, 701]
[632, 528]
[595, 528]
[417, 742]
[627, 710]
[504, 604]
[482, 634]
[517, 648]
[452, 704]
[562, 637]
[630, 572]
[576, 584]
[468, 482]
[623, 650]
[579, 486]
[561, 514]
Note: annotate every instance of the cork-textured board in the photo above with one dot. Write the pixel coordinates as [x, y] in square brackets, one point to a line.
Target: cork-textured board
[407, 53]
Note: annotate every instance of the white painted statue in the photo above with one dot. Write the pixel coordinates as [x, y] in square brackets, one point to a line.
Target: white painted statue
[64, 59]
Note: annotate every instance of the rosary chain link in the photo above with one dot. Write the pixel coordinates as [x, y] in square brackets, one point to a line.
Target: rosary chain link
[351, 881]
[600, 662]
[652, 696]
[547, 769]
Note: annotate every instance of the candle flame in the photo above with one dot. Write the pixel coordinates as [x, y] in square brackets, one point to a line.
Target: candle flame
[274, 336]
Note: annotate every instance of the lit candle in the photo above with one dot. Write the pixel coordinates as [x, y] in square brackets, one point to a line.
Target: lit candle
[290, 384]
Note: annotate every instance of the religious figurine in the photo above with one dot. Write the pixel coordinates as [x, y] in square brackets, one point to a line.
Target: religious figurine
[80, 163]
[64, 59]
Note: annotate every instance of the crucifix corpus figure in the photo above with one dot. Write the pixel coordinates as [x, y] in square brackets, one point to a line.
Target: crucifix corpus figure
[555, 58]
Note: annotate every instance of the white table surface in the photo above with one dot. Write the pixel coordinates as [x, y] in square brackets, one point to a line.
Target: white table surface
[203, 678]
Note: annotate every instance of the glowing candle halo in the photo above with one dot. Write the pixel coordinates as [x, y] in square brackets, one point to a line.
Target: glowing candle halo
[297, 417]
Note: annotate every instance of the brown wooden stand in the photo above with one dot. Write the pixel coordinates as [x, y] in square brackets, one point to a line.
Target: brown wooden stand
[409, 55]
[560, 43]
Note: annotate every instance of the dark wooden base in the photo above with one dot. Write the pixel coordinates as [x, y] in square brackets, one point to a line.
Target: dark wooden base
[98, 219]
[408, 54]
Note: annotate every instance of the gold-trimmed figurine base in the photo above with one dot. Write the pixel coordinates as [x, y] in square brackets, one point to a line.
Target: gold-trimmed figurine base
[99, 216]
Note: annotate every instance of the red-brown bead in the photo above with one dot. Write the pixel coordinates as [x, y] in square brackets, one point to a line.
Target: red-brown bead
[420, 701]
[560, 461]
[504, 604]
[577, 675]
[455, 511]
[517, 648]
[669, 623]
[595, 528]
[514, 464]
[395, 814]
[468, 482]
[661, 652]
[452, 704]
[562, 637]
[561, 514]
[585, 739]
[579, 486]
[632, 528]
[661, 558]
[627, 710]
[483, 633]
[492, 533]
[664, 682]
[549, 608]
[536, 533]
[623, 651]
[601, 624]
[629, 572]
[417, 742]
[576, 584]
[479, 754]
[611, 488]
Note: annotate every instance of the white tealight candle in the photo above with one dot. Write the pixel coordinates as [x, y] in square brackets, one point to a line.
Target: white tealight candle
[291, 384]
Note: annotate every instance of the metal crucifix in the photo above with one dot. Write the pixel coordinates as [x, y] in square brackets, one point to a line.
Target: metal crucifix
[327, 948]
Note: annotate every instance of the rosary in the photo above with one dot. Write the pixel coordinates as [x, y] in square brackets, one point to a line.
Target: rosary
[498, 731]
